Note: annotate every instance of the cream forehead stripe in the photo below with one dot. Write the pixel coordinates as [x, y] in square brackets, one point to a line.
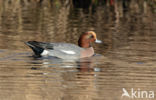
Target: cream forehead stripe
[93, 33]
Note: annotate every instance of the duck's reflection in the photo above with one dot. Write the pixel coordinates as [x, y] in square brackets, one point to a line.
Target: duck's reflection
[65, 77]
[87, 65]
[82, 65]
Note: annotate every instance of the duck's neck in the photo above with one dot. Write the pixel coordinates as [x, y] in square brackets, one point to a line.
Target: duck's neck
[84, 45]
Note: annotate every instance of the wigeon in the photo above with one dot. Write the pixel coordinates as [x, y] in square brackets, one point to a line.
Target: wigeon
[66, 50]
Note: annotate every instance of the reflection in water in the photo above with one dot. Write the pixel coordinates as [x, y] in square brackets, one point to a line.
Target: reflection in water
[127, 28]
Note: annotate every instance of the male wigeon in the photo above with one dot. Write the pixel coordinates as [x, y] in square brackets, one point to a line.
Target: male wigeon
[66, 50]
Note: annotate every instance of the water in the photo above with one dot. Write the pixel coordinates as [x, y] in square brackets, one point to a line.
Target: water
[126, 59]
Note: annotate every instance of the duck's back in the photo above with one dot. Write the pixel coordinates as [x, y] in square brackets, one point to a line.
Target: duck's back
[60, 50]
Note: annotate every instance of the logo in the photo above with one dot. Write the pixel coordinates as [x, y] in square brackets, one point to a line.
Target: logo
[137, 94]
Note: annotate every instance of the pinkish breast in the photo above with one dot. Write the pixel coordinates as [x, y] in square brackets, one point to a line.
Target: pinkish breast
[88, 52]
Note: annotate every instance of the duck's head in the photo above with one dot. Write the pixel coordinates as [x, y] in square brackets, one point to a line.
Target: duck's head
[87, 38]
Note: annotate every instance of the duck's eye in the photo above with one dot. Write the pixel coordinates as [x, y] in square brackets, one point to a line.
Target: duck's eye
[91, 36]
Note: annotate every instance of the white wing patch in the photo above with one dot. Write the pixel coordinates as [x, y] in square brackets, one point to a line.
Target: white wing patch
[68, 52]
[45, 52]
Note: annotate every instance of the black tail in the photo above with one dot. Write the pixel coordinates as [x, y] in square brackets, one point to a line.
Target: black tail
[35, 47]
